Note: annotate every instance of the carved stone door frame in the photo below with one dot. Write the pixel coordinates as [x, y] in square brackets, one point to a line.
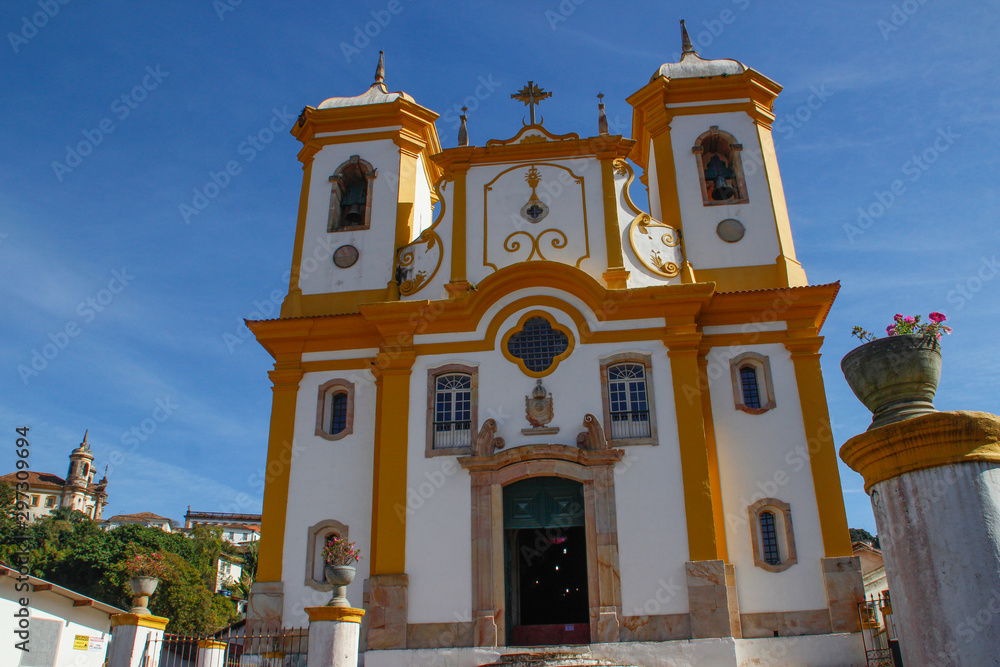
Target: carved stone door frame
[490, 474]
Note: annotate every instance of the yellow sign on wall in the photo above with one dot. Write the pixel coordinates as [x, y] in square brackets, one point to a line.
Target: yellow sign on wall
[81, 643]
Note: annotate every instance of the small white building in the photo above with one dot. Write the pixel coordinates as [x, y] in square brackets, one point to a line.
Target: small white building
[236, 528]
[59, 626]
[147, 519]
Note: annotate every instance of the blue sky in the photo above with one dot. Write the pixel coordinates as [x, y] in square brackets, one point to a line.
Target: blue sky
[163, 95]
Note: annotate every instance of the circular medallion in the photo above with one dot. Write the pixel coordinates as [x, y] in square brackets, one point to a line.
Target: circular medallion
[345, 256]
[730, 230]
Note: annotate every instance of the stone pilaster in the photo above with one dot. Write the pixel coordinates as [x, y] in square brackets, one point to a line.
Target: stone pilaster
[264, 610]
[845, 590]
[715, 611]
[386, 602]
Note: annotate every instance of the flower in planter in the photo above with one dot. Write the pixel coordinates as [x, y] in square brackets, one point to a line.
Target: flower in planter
[909, 324]
[340, 552]
[146, 565]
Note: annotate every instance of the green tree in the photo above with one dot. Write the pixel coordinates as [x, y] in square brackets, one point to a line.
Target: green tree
[862, 535]
[70, 550]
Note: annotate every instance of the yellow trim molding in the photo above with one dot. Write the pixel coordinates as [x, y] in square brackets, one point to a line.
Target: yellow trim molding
[141, 620]
[211, 644]
[345, 614]
[927, 441]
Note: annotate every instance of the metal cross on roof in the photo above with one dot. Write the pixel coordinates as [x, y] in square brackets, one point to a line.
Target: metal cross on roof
[531, 95]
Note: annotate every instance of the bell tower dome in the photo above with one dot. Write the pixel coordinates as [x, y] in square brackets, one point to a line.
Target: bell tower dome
[81, 465]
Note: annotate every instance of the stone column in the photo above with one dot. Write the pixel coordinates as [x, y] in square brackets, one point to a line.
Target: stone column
[386, 598]
[334, 633]
[715, 610]
[211, 653]
[136, 640]
[934, 482]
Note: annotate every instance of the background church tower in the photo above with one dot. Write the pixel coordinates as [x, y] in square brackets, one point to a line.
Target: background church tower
[78, 479]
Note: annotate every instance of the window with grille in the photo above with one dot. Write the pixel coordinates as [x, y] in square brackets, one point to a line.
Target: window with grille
[769, 539]
[753, 388]
[537, 344]
[751, 392]
[338, 413]
[452, 426]
[629, 405]
[335, 409]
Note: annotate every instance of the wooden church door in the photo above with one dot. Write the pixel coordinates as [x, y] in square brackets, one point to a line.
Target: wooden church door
[545, 563]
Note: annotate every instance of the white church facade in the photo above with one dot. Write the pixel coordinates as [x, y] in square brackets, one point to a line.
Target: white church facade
[546, 416]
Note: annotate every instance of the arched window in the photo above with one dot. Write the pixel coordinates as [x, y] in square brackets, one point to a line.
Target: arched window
[351, 196]
[629, 406]
[453, 410]
[86, 469]
[720, 170]
[335, 409]
[452, 413]
[773, 539]
[627, 394]
[753, 391]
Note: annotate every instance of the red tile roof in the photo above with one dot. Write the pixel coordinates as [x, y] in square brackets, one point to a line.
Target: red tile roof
[35, 478]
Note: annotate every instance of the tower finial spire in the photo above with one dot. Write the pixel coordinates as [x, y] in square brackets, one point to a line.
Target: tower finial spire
[380, 69]
[602, 118]
[686, 45]
[463, 131]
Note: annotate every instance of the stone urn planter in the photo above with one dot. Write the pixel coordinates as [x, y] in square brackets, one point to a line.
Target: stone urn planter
[142, 588]
[339, 576]
[895, 377]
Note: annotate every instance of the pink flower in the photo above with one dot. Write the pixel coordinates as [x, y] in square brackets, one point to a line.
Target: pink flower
[898, 317]
[947, 330]
[937, 317]
[909, 320]
[891, 329]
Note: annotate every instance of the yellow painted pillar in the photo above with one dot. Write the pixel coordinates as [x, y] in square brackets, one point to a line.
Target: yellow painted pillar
[406, 198]
[388, 547]
[280, 453]
[703, 542]
[819, 441]
[790, 270]
[292, 306]
[714, 481]
[458, 286]
[616, 276]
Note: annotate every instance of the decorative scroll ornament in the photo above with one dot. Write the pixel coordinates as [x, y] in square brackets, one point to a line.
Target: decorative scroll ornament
[593, 438]
[487, 442]
[656, 245]
[418, 263]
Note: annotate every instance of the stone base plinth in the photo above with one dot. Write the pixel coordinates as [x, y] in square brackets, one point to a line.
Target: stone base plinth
[715, 611]
[130, 635]
[334, 635]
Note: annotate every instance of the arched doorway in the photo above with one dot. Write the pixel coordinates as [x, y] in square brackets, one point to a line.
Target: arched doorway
[545, 562]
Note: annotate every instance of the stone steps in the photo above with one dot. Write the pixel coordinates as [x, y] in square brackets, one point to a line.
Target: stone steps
[552, 659]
